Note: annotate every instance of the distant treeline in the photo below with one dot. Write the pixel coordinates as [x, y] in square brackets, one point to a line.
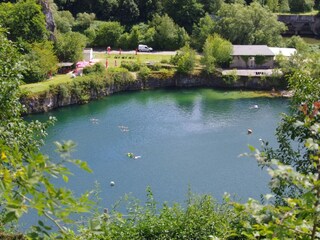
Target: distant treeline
[162, 24]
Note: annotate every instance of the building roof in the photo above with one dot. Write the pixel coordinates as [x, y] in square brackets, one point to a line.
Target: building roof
[65, 64]
[251, 50]
[287, 52]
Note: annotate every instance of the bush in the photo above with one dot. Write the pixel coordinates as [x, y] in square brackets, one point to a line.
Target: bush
[155, 66]
[185, 60]
[98, 68]
[120, 76]
[131, 66]
[144, 73]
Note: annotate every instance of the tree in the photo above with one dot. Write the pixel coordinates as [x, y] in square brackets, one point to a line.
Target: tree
[184, 12]
[83, 21]
[148, 8]
[26, 174]
[185, 60]
[301, 5]
[216, 53]
[273, 5]
[298, 43]
[127, 12]
[211, 6]
[40, 62]
[251, 24]
[298, 218]
[64, 21]
[108, 34]
[167, 35]
[201, 31]
[24, 21]
[69, 46]
[284, 6]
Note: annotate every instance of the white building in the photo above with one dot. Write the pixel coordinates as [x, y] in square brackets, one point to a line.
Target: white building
[88, 54]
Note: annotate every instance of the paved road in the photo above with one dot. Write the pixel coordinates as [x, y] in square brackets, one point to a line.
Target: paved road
[133, 52]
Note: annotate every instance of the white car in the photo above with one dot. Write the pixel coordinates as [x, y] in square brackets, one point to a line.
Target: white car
[144, 48]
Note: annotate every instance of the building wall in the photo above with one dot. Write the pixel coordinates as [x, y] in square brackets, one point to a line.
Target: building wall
[240, 63]
[88, 55]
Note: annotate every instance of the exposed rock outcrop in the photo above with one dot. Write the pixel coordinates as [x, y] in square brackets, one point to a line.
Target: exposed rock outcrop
[304, 25]
[50, 24]
[56, 98]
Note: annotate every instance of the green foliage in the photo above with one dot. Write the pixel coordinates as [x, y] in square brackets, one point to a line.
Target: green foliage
[284, 6]
[144, 72]
[201, 31]
[26, 174]
[298, 217]
[24, 20]
[216, 53]
[69, 46]
[97, 68]
[120, 76]
[273, 5]
[83, 21]
[184, 12]
[64, 21]
[298, 43]
[185, 60]
[131, 66]
[108, 34]
[201, 218]
[230, 78]
[301, 5]
[40, 62]
[251, 24]
[259, 59]
[167, 35]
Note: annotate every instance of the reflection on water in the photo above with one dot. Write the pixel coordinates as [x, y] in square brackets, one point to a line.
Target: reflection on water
[185, 138]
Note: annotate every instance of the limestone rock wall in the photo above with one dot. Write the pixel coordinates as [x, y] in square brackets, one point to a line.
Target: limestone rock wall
[53, 99]
[304, 25]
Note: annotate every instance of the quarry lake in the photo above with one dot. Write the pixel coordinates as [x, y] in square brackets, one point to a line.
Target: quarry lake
[187, 138]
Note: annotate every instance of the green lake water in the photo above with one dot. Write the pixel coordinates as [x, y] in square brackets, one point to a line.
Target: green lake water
[186, 138]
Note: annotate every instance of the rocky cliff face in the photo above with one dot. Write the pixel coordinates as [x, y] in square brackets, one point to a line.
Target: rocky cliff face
[55, 99]
[50, 24]
[301, 24]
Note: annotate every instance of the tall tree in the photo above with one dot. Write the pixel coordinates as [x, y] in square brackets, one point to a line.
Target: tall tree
[216, 53]
[108, 34]
[301, 5]
[284, 6]
[24, 21]
[148, 8]
[201, 31]
[251, 24]
[167, 34]
[184, 12]
[40, 62]
[26, 174]
[127, 12]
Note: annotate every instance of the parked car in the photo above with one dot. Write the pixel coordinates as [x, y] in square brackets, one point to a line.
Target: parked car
[144, 48]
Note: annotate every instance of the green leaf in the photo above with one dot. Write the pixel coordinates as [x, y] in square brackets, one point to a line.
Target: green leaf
[65, 178]
[9, 217]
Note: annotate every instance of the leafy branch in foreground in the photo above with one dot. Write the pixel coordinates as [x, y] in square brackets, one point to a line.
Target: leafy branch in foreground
[299, 215]
[25, 173]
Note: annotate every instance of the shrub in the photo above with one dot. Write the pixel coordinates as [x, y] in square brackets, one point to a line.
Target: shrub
[120, 76]
[64, 90]
[131, 66]
[144, 73]
[98, 68]
[184, 59]
[155, 66]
